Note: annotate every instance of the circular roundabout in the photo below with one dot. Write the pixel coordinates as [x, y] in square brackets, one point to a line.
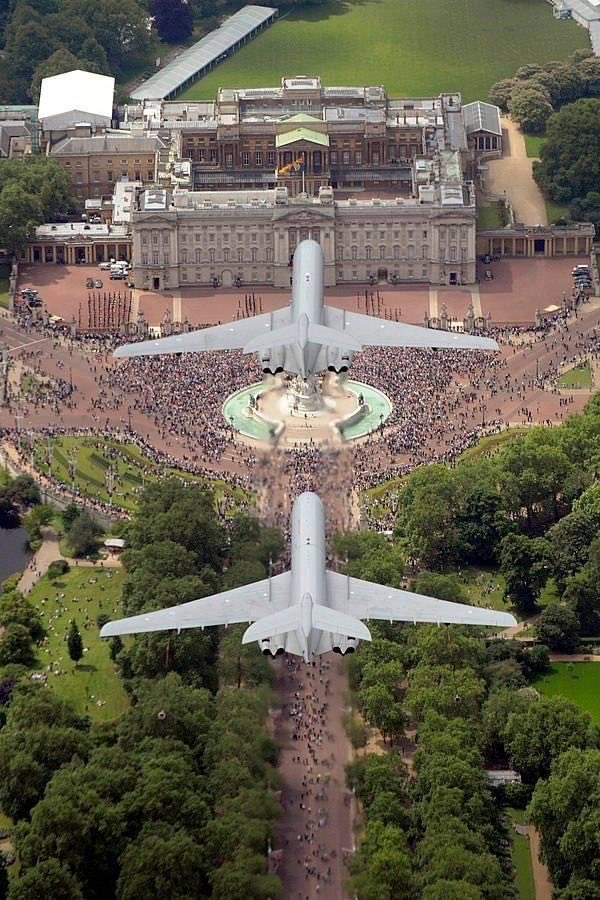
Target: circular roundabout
[288, 410]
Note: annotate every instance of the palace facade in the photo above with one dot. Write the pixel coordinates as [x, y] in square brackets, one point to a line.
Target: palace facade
[225, 238]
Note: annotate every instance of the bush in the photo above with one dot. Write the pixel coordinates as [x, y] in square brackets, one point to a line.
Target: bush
[356, 731]
[57, 568]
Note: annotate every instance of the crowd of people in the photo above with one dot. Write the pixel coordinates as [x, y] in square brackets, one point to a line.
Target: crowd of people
[309, 834]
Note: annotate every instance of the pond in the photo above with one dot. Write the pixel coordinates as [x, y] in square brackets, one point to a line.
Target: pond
[14, 553]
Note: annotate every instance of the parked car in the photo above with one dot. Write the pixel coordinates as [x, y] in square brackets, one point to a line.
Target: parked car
[117, 276]
[97, 283]
[581, 269]
[105, 266]
[89, 282]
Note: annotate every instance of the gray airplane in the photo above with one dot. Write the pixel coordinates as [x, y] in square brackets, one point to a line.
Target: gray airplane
[306, 337]
[310, 609]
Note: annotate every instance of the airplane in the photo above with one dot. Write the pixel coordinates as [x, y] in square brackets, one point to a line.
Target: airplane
[310, 609]
[307, 336]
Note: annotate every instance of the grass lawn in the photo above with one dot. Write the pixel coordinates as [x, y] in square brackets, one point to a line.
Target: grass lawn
[579, 682]
[521, 857]
[556, 211]
[577, 377]
[485, 587]
[490, 217]
[533, 144]
[95, 679]
[131, 471]
[488, 445]
[413, 48]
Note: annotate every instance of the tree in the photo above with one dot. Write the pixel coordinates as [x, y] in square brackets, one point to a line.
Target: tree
[558, 627]
[173, 19]
[69, 514]
[569, 165]
[501, 92]
[16, 646]
[74, 643]
[582, 594]
[524, 565]
[444, 587]
[16, 609]
[427, 516]
[570, 541]
[83, 535]
[382, 868]
[535, 737]
[565, 810]
[530, 107]
[161, 862]
[47, 879]
[587, 209]
[24, 491]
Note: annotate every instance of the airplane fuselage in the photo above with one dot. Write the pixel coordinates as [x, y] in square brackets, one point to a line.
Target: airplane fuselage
[309, 585]
[307, 307]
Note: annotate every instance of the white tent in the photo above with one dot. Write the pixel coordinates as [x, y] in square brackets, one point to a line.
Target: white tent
[76, 97]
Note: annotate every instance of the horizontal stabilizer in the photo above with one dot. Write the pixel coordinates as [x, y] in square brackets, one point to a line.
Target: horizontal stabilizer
[327, 619]
[277, 623]
[331, 337]
[279, 337]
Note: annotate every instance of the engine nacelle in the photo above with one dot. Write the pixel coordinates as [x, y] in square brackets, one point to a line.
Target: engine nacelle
[337, 360]
[273, 646]
[342, 644]
[272, 361]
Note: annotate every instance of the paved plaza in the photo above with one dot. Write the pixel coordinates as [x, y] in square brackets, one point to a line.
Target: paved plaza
[518, 288]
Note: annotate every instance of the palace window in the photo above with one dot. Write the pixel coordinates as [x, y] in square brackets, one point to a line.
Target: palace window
[245, 158]
[258, 158]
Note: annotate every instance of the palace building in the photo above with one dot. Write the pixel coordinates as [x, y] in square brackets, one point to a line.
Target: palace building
[304, 136]
[185, 238]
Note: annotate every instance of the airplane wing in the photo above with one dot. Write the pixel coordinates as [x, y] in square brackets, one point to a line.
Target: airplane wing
[242, 604]
[230, 336]
[370, 330]
[366, 600]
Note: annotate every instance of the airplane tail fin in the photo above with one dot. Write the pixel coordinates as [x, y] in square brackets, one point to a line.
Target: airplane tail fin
[327, 619]
[277, 623]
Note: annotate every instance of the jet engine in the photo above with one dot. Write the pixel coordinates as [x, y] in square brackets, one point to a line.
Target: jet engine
[342, 644]
[272, 360]
[273, 646]
[338, 360]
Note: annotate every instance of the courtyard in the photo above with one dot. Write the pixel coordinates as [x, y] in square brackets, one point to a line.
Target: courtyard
[518, 288]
